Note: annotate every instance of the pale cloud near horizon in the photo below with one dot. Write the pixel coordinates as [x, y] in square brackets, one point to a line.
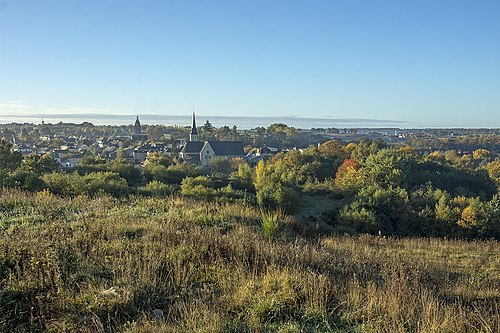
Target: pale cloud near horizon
[20, 108]
[20, 111]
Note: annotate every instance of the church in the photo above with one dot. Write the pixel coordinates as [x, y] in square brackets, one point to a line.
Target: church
[138, 134]
[201, 152]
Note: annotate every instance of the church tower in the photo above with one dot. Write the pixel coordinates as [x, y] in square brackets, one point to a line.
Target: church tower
[193, 136]
[137, 126]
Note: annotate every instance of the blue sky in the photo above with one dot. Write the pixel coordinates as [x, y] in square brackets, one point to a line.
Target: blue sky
[426, 63]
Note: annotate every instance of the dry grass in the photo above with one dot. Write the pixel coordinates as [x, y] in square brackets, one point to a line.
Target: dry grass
[108, 265]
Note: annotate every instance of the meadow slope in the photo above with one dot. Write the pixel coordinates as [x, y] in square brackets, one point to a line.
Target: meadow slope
[180, 265]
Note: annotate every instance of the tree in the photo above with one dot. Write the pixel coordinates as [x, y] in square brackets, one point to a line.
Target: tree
[443, 211]
[384, 168]
[155, 132]
[208, 127]
[40, 164]
[274, 190]
[120, 155]
[348, 176]
[245, 173]
[126, 170]
[468, 218]
[363, 149]
[489, 226]
[480, 153]
[493, 169]
[9, 160]
[333, 147]
[159, 159]
[28, 181]
[220, 165]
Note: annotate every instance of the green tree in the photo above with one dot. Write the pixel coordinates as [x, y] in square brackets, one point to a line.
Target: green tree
[364, 148]
[9, 160]
[245, 173]
[489, 226]
[220, 165]
[443, 211]
[208, 127]
[159, 159]
[28, 181]
[40, 164]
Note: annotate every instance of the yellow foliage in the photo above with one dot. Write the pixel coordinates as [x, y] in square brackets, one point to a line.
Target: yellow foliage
[350, 147]
[407, 149]
[435, 154]
[480, 153]
[493, 169]
[45, 193]
[468, 218]
[260, 170]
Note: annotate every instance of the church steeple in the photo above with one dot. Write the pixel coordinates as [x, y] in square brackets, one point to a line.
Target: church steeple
[137, 126]
[193, 136]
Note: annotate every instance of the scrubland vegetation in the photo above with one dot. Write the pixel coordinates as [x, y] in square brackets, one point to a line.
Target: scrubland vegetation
[335, 238]
[171, 265]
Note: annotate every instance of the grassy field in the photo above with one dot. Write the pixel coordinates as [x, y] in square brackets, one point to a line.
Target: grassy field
[177, 265]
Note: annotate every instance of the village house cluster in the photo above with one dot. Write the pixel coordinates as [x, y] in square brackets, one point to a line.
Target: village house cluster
[134, 147]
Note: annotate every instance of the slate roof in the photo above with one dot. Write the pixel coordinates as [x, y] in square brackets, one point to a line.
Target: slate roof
[227, 147]
[192, 147]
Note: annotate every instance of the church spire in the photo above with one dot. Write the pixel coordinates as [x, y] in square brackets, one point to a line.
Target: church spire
[137, 126]
[193, 136]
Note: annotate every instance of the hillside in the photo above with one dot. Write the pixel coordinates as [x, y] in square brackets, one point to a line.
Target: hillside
[179, 265]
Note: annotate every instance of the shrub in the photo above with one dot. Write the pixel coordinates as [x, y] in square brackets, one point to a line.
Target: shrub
[198, 187]
[155, 188]
[28, 181]
[270, 223]
[277, 195]
[94, 183]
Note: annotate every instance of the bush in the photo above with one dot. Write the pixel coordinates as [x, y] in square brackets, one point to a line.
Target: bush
[198, 187]
[156, 189]
[359, 219]
[92, 184]
[270, 223]
[28, 181]
[277, 195]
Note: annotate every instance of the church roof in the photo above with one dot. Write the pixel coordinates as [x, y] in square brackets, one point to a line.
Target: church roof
[232, 148]
[227, 147]
[192, 147]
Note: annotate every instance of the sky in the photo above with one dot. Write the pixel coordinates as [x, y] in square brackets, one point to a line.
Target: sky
[421, 63]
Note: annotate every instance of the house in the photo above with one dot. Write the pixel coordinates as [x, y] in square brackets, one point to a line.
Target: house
[199, 152]
[71, 162]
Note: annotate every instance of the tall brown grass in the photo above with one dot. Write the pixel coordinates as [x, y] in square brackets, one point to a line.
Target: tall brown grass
[178, 265]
